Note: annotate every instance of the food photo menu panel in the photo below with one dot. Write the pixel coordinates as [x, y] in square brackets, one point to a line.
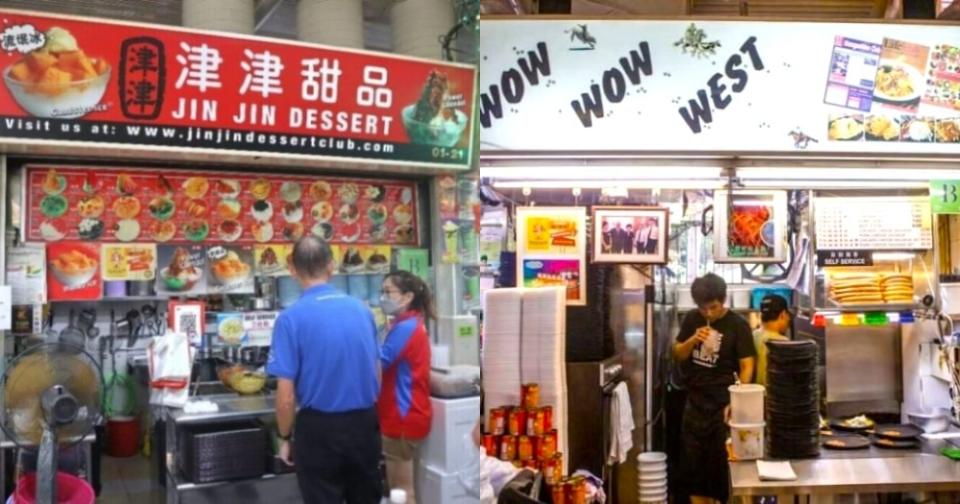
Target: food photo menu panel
[137, 205]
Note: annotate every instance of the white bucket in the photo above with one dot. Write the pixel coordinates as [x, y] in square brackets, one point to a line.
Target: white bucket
[747, 440]
[746, 403]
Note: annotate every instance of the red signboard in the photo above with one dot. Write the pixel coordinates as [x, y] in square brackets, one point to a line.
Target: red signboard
[75, 79]
[107, 204]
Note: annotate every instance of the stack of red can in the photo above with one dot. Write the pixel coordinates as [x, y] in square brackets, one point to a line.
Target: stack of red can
[524, 435]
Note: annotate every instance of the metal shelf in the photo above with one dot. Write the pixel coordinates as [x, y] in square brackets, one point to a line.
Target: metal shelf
[184, 486]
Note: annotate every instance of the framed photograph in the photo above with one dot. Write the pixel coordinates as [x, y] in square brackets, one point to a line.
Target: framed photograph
[637, 235]
[552, 250]
[750, 227]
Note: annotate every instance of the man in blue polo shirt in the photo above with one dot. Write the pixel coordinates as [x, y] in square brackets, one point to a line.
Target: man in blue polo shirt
[324, 355]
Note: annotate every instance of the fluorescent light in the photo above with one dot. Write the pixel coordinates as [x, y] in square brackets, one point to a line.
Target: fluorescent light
[834, 184]
[612, 173]
[893, 256]
[602, 184]
[835, 173]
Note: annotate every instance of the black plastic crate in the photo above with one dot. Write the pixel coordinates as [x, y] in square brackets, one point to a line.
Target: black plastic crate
[222, 451]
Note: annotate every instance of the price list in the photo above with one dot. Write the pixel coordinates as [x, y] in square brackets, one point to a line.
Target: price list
[882, 223]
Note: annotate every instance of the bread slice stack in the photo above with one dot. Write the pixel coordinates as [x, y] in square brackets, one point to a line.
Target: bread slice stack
[856, 289]
[897, 288]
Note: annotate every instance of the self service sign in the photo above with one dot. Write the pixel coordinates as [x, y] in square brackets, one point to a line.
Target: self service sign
[72, 79]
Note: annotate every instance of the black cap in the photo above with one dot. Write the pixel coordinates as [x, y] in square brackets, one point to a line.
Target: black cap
[772, 306]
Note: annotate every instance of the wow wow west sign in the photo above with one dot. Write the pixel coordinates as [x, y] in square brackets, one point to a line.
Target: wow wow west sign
[71, 79]
[719, 87]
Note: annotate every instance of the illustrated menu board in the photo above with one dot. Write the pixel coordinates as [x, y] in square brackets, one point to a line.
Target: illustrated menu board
[137, 205]
[551, 250]
[875, 223]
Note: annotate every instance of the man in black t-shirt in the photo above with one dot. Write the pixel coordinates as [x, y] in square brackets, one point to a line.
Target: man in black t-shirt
[714, 344]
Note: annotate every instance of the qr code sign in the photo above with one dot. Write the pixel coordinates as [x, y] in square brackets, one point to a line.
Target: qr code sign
[187, 323]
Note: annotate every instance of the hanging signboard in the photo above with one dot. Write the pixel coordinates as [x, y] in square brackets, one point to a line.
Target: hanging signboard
[71, 80]
[719, 86]
[873, 223]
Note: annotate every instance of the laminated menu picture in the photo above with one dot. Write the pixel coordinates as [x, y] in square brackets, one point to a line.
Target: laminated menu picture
[943, 77]
[566, 273]
[73, 272]
[129, 262]
[26, 268]
[750, 226]
[901, 75]
[230, 269]
[853, 68]
[181, 270]
[273, 260]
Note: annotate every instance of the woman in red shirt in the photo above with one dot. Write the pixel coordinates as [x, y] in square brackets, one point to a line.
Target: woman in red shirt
[404, 404]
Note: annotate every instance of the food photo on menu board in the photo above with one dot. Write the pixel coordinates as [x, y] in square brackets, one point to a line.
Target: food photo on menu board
[181, 270]
[129, 262]
[230, 270]
[356, 260]
[115, 205]
[750, 226]
[272, 260]
[73, 272]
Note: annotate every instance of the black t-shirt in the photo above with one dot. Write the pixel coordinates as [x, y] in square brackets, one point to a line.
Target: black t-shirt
[709, 371]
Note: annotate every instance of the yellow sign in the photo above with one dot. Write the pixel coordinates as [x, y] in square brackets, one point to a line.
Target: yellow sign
[129, 262]
[551, 234]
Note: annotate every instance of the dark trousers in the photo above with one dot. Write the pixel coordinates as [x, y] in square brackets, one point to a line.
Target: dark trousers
[337, 457]
[705, 439]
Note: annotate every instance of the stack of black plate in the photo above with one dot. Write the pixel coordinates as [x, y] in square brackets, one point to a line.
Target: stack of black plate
[793, 400]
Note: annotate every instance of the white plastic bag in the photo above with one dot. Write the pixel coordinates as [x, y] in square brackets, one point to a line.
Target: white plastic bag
[170, 361]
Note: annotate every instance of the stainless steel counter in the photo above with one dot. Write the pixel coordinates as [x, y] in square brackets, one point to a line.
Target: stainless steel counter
[277, 489]
[870, 471]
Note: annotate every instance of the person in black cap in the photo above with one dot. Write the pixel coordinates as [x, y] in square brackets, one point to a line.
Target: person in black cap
[713, 345]
[775, 315]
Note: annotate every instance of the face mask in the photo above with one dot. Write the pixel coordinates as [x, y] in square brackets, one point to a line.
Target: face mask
[389, 305]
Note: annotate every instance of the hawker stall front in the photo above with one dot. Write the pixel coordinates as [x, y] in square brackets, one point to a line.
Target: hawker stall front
[156, 179]
[806, 186]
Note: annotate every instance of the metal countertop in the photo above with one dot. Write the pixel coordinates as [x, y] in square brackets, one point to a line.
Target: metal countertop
[874, 470]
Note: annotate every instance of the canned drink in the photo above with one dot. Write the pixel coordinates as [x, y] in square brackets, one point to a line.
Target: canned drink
[569, 491]
[548, 444]
[535, 442]
[552, 472]
[547, 418]
[508, 448]
[579, 490]
[530, 394]
[556, 492]
[535, 422]
[524, 448]
[491, 443]
[498, 421]
[517, 422]
[517, 463]
[531, 464]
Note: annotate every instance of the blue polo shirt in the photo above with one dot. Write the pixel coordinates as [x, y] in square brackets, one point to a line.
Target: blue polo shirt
[326, 343]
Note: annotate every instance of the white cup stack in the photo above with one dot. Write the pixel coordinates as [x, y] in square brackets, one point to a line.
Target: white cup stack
[652, 474]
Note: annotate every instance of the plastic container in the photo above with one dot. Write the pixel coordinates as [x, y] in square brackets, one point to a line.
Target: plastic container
[746, 403]
[123, 436]
[756, 297]
[747, 440]
[70, 490]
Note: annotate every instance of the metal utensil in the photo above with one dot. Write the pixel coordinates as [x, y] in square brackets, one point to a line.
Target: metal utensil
[72, 334]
